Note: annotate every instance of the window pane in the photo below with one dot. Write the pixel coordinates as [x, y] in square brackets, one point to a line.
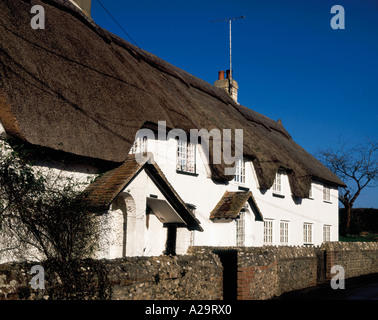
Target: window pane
[284, 232]
[326, 193]
[240, 230]
[268, 232]
[326, 233]
[186, 154]
[240, 171]
[307, 233]
[277, 182]
[139, 145]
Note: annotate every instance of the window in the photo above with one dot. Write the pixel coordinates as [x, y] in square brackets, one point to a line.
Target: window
[192, 208]
[240, 171]
[310, 194]
[284, 232]
[240, 229]
[268, 232]
[326, 194]
[277, 186]
[186, 155]
[139, 145]
[191, 240]
[326, 233]
[307, 233]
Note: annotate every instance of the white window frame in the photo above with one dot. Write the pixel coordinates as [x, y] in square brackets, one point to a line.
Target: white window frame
[268, 232]
[277, 184]
[139, 146]
[240, 171]
[326, 193]
[186, 157]
[191, 239]
[284, 232]
[240, 230]
[311, 192]
[192, 232]
[326, 233]
[307, 233]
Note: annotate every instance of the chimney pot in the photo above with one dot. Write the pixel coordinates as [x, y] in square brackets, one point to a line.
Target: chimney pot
[231, 87]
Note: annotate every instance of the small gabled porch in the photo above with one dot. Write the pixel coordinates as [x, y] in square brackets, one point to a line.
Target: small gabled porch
[143, 212]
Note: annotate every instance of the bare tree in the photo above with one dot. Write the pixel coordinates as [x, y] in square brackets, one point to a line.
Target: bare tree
[357, 166]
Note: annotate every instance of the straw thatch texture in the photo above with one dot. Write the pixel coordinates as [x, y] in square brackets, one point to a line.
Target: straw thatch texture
[75, 87]
[231, 204]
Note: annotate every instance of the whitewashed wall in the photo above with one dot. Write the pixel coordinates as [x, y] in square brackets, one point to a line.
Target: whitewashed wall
[204, 194]
[146, 236]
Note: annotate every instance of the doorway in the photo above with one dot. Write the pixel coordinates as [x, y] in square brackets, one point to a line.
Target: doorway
[229, 260]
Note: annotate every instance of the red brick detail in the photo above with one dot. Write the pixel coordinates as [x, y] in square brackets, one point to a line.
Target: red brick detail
[246, 277]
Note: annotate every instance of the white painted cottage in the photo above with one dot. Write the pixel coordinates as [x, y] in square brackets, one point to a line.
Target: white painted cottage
[82, 95]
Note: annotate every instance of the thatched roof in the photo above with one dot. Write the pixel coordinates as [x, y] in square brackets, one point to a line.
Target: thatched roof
[231, 204]
[76, 88]
[102, 192]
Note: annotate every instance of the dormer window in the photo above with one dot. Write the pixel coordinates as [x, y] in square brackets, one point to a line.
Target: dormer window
[326, 194]
[139, 145]
[277, 184]
[310, 193]
[240, 171]
[186, 157]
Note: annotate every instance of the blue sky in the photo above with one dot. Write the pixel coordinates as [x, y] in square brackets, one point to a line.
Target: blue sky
[288, 61]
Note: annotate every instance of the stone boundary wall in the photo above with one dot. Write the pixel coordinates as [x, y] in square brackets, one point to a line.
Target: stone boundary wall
[357, 258]
[268, 272]
[256, 273]
[185, 277]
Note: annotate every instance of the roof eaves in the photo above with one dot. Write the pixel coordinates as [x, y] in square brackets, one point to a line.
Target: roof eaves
[239, 199]
[155, 173]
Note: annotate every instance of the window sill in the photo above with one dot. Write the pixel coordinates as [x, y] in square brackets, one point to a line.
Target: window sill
[236, 183]
[278, 195]
[187, 173]
[325, 201]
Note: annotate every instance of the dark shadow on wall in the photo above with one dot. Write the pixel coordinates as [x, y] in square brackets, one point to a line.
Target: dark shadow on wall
[229, 260]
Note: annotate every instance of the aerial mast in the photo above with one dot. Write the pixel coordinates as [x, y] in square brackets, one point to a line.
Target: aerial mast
[230, 20]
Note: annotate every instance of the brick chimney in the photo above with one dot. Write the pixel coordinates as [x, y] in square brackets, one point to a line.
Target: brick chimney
[84, 5]
[228, 84]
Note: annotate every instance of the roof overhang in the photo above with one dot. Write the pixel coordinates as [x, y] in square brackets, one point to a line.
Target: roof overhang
[164, 211]
[232, 203]
[102, 192]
